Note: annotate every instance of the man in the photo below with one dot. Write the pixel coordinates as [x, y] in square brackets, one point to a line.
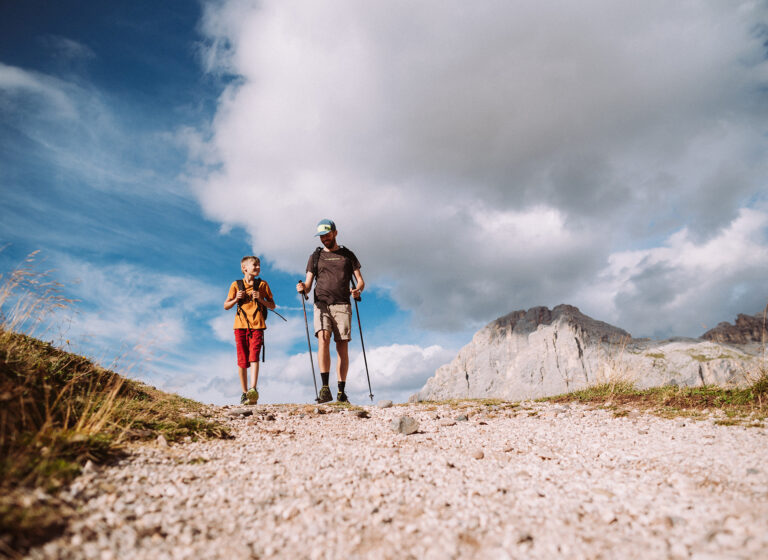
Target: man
[332, 268]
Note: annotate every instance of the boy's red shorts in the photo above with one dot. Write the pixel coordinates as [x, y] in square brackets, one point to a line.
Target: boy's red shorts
[248, 343]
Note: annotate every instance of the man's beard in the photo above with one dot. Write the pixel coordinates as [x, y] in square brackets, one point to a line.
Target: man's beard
[329, 243]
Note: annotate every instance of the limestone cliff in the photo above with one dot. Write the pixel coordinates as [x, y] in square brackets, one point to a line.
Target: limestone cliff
[542, 352]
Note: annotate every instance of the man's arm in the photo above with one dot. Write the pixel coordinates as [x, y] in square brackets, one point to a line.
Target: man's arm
[306, 286]
[359, 284]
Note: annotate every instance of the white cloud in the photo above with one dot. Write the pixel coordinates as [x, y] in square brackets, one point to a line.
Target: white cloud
[686, 286]
[51, 93]
[480, 159]
[123, 305]
[396, 372]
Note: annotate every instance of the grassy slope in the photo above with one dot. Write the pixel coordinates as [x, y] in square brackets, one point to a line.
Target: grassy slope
[58, 411]
[746, 406]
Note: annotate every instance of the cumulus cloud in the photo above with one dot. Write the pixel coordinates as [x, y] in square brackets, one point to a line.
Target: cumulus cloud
[486, 158]
[396, 371]
[692, 284]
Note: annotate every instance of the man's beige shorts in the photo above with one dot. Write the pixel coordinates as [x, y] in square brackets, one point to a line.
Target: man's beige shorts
[336, 317]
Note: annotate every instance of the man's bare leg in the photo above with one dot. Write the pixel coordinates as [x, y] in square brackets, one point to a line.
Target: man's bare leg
[324, 361]
[342, 351]
[323, 350]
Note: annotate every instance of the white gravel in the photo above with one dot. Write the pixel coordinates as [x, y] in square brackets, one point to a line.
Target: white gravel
[535, 481]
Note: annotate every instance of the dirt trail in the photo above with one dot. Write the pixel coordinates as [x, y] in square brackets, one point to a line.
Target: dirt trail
[533, 481]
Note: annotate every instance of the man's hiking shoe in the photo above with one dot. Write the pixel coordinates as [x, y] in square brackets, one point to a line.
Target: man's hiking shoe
[342, 397]
[244, 398]
[325, 394]
[252, 396]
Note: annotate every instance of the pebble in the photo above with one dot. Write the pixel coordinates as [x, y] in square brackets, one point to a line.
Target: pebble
[577, 484]
[405, 425]
[384, 404]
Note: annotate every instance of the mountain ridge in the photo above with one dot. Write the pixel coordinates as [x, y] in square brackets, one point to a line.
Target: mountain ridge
[541, 352]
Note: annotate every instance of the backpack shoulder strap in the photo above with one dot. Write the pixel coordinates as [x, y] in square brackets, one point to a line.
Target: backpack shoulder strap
[263, 308]
[241, 286]
[346, 253]
[315, 260]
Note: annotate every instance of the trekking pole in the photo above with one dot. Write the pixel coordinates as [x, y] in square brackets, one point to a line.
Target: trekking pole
[278, 314]
[360, 327]
[309, 344]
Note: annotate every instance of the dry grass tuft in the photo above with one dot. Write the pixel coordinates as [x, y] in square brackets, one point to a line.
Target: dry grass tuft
[59, 410]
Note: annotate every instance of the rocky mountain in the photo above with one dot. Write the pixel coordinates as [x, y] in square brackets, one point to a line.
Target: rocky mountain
[542, 352]
[745, 330]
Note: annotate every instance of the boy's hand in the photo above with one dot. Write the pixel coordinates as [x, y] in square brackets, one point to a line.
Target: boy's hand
[240, 294]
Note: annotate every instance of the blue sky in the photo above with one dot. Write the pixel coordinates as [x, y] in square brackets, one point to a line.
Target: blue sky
[477, 160]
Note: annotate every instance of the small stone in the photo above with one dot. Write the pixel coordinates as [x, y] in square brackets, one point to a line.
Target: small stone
[405, 425]
[384, 404]
[239, 412]
[89, 467]
[462, 418]
[478, 454]
[161, 441]
[362, 414]
[414, 398]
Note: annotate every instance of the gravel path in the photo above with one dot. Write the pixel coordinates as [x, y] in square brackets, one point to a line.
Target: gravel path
[535, 481]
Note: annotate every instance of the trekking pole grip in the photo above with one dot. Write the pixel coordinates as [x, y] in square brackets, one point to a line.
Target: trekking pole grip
[304, 293]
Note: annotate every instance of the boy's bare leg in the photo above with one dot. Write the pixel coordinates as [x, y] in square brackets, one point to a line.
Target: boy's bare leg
[243, 378]
[342, 350]
[323, 350]
[255, 374]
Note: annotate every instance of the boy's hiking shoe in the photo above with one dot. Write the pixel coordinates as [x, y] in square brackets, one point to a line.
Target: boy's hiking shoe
[252, 396]
[243, 398]
[342, 397]
[325, 394]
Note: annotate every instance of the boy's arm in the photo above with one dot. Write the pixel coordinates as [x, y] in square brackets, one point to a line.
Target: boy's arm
[231, 300]
[268, 301]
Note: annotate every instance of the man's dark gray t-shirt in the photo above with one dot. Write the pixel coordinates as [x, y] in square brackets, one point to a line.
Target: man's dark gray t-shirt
[334, 274]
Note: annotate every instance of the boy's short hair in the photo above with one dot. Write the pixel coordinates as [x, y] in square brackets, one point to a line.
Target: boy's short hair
[249, 258]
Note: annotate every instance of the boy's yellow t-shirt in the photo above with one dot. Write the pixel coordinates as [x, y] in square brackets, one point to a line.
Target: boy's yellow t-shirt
[255, 319]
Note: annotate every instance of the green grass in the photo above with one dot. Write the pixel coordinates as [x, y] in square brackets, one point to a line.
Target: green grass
[743, 406]
[58, 411]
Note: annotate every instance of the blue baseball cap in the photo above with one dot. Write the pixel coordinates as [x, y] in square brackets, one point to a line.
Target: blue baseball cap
[325, 226]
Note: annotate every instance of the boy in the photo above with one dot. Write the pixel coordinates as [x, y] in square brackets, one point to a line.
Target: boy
[249, 322]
